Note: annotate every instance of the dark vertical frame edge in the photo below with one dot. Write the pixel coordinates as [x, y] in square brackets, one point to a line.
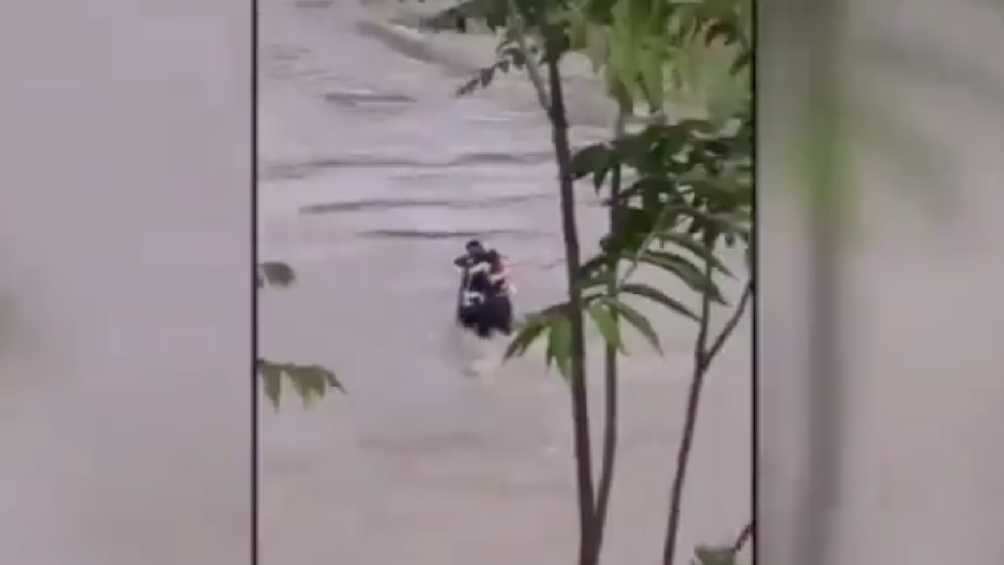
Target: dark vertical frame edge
[754, 306]
[253, 280]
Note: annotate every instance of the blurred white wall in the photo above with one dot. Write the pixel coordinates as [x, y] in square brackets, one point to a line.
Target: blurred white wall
[124, 301]
[919, 477]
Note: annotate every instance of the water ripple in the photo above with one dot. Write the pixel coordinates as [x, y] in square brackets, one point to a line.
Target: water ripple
[354, 99]
[450, 234]
[396, 203]
[300, 170]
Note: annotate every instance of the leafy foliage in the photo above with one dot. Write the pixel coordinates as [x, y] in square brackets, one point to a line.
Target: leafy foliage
[311, 382]
[646, 50]
[692, 194]
[692, 186]
[714, 556]
[275, 273]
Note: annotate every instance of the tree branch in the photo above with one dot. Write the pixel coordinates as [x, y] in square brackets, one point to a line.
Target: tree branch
[730, 326]
[532, 70]
[744, 536]
[690, 425]
[588, 545]
[610, 362]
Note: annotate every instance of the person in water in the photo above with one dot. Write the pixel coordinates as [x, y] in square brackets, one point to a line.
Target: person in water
[474, 285]
[475, 253]
[485, 289]
[498, 274]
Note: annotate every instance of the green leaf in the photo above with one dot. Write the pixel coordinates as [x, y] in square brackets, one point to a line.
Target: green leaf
[743, 61]
[276, 273]
[636, 221]
[593, 272]
[311, 382]
[533, 327]
[607, 324]
[658, 296]
[591, 160]
[686, 271]
[634, 149]
[272, 375]
[618, 90]
[306, 385]
[655, 191]
[559, 344]
[598, 178]
[650, 68]
[696, 248]
[715, 556]
[728, 190]
[671, 139]
[721, 222]
[524, 339]
[636, 319]
[332, 380]
[594, 265]
[600, 10]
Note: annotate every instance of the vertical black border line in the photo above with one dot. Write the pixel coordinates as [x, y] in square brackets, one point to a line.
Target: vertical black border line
[754, 307]
[254, 282]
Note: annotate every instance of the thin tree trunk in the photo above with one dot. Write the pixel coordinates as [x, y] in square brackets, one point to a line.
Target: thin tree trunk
[703, 356]
[690, 423]
[552, 100]
[610, 366]
[744, 536]
[580, 412]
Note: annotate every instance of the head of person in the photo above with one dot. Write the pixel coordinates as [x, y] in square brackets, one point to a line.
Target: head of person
[494, 259]
[474, 247]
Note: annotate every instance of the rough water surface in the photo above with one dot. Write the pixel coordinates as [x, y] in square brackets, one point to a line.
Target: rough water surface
[372, 177]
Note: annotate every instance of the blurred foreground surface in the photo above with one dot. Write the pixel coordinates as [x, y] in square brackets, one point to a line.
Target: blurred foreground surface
[917, 475]
[125, 296]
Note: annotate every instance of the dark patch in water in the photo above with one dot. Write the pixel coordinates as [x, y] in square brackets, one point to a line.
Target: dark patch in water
[313, 3]
[301, 170]
[431, 176]
[451, 234]
[355, 98]
[281, 52]
[390, 204]
[483, 157]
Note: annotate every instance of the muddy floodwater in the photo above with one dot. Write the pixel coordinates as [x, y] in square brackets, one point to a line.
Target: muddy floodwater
[372, 176]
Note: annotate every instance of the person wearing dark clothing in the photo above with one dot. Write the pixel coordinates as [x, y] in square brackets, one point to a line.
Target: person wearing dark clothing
[475, 254]
[498, 275]
[473, 285]
[484, 303]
